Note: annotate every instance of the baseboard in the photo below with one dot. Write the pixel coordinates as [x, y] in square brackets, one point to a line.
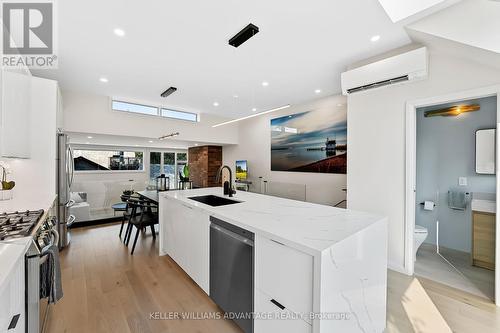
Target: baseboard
[82, 224]
[396, 267]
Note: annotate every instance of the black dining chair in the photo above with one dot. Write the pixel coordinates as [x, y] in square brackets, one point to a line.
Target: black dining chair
[143, 214]
[126, 212]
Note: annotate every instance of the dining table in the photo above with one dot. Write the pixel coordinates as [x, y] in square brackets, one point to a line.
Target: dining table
[151, 195]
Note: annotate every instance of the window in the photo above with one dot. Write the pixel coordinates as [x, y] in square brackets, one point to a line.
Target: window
[169, 167]
[182, 157]
[154, 166]
[135, 108]
[153, 111]
[179, 115]
[108, 160]
[168, 163]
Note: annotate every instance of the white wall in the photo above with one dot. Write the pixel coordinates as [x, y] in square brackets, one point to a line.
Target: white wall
[255, 146]
[376, 136]
[87, 113]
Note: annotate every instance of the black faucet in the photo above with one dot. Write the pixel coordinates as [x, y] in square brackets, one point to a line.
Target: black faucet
[219, 173]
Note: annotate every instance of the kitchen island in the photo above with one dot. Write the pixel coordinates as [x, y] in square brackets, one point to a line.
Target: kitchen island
[316, 268]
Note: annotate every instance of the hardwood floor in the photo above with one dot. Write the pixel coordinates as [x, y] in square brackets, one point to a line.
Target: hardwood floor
[108, 290]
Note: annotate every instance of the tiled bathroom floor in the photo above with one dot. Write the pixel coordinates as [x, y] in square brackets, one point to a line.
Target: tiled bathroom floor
[472, 279]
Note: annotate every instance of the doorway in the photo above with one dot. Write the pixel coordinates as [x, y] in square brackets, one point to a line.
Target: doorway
[440, 190]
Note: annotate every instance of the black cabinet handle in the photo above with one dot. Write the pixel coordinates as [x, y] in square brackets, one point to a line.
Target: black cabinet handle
[13, 322]
[278, 304]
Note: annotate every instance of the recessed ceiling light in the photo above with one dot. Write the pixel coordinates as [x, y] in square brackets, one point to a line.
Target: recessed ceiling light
[235, 96]
[265, 84]
[254, 109]
[87, 143]
[195, 144]
[119, 32]
[103, 79]
[89, 137]
[340, 104]
[375, 38]
[317, 91]
[216, 103]
[150, 141]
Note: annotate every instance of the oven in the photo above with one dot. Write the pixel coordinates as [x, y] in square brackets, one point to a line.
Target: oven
[37, 310]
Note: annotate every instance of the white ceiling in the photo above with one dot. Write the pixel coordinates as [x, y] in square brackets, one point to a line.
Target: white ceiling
[301, 47]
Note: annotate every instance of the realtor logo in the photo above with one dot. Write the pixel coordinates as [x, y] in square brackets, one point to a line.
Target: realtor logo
[28, 34]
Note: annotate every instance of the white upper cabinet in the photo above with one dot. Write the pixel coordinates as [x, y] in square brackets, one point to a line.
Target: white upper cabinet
[15, 115]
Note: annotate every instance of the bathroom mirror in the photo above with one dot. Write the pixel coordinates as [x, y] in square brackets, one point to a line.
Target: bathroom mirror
[485, 151]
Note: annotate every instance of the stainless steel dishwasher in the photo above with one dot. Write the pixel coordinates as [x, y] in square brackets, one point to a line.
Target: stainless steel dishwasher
[232, 271]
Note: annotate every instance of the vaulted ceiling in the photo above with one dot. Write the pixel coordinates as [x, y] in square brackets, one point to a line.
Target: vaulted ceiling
[300, 51]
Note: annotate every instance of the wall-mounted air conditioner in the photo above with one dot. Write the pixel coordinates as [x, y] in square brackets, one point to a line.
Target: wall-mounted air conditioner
[404, 67]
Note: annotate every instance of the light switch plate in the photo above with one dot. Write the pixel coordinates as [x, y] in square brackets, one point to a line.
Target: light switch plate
[462, 181]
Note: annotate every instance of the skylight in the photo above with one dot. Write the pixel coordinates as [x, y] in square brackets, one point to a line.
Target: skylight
[400, 9]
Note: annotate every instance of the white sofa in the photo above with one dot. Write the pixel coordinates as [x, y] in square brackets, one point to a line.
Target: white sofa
[81, 208]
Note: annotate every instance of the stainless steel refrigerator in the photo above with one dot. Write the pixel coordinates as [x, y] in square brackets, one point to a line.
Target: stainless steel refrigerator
[65, 175]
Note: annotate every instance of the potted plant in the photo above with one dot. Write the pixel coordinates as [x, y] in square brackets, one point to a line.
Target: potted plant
[6, 186]
[184, 182]
[185, 173]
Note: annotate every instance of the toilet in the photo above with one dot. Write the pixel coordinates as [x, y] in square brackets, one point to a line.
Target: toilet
[420, 234]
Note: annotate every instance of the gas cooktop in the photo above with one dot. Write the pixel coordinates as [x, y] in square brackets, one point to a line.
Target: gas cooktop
[18, 224]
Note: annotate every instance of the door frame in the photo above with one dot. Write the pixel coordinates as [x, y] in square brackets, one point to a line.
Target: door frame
[410, 183]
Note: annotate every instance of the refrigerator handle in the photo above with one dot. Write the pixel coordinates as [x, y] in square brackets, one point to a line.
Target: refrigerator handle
[68, 170]
[72, 163]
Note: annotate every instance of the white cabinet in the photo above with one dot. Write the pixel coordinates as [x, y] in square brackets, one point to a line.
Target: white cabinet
[277, 319]
[12, 300]
[285, 274]
[176, 232]
[15, 115]
[199, 252]
[186, 233]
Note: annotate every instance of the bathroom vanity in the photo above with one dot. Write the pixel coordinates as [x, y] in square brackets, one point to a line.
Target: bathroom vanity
[316, 268]
[483, 231]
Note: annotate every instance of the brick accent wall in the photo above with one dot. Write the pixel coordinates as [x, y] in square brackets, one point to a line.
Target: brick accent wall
[204, 162]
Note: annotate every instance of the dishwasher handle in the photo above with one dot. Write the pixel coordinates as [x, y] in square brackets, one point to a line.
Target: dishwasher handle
[231, 234]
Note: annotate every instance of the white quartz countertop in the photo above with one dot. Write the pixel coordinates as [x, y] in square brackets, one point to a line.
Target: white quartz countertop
[487, 206]
[27, 201]
[309, 227]
[10, 252]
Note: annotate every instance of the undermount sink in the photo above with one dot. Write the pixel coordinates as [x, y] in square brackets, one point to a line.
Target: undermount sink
[213, 200]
